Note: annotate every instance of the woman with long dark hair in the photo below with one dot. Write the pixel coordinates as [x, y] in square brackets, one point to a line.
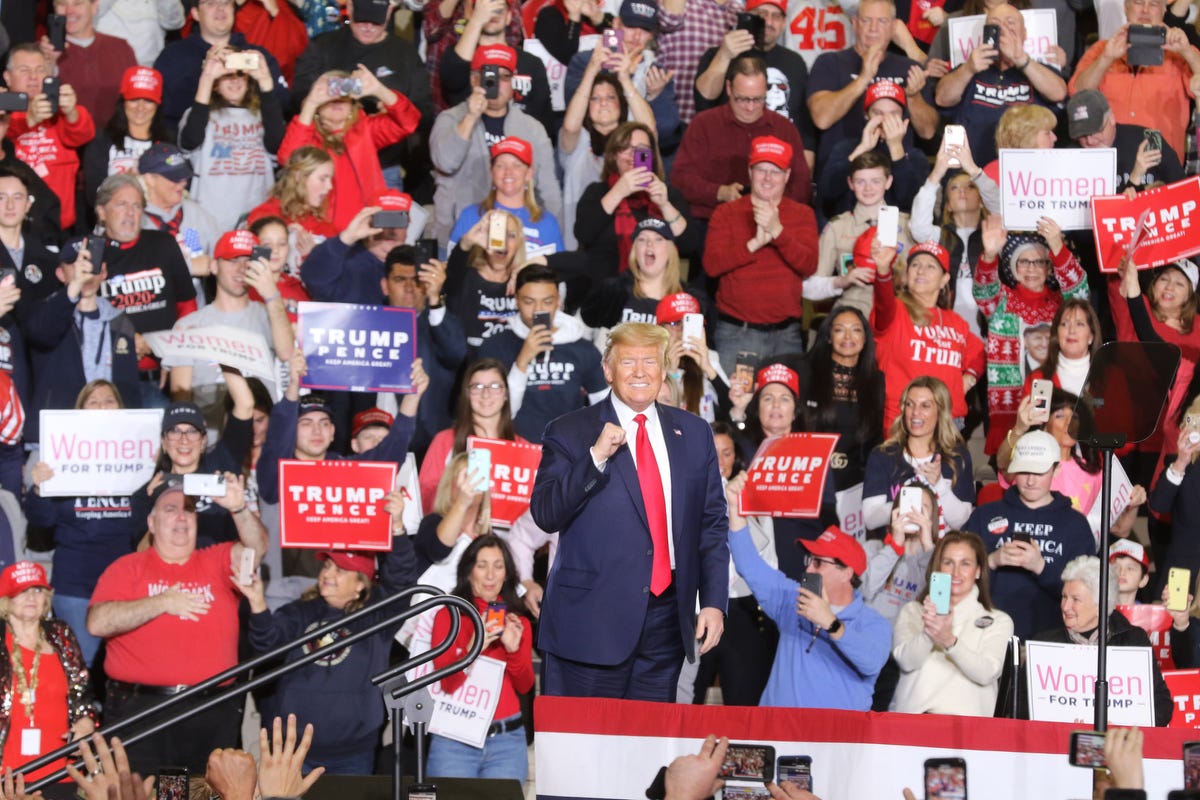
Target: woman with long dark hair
[844, 392]
[601, 103]
[487, 577]
[136, 123]
[610, 209]
[923, 446]
[483, 410]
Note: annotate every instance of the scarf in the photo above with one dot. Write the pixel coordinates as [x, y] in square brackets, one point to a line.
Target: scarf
[632, 210]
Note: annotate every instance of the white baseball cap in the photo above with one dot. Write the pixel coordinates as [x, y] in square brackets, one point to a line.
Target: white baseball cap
[1036, 452]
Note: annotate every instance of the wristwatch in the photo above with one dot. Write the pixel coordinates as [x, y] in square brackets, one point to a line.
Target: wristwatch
[835, 627]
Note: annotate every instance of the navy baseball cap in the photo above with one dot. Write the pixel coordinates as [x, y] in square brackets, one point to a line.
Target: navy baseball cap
[166, 160]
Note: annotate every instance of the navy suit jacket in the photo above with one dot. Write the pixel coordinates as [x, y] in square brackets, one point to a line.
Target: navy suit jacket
[598, 588]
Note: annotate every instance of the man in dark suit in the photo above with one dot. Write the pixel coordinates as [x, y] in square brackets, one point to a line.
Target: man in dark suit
[635, 491]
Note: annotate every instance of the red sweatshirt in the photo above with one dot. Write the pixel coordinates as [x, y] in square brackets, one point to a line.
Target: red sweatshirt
[763, 287]
[357, 175]
[49, 148]
[518, 674]
[945, 349]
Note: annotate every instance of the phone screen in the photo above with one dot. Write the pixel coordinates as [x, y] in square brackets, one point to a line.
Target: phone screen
[479, 467]
[797, 769]
[1087, 749]
[748, 762]
[945, 779]
[1191, 765]
[939, 591]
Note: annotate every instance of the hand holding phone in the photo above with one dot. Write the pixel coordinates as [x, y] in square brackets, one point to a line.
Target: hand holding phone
[888, 226]
[939, 592]
[1040, 393]
[497, 233]
[693, 328]
[1179, 581]
[945, 778]
[479, 468]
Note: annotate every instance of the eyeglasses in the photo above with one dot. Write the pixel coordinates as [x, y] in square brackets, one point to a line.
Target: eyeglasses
[175, 434]
[1024, 263]
[741, 100]
[482, 388]
[830, 562]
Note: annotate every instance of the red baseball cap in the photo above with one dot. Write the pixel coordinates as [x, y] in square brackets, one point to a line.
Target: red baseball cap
[753, 4]
[392, 200]
[354, 560]
[142, 83]
[235, 244]
[933, 249]
[365, 419]
[771, 150]
[672, 308]
[834, 543]
[862, 249]
[497, 55]
[884, 90]
[520, 148]
[778, 373]
[20, 576]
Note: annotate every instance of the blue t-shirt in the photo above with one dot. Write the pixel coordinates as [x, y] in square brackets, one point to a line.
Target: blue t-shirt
[544, 232]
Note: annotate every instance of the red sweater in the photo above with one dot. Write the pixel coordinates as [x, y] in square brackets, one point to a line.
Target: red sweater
[357, 175]
[763, 287]
[518, 672]
[49, 148]
[95, 71]
[271, 208]
[945, 349]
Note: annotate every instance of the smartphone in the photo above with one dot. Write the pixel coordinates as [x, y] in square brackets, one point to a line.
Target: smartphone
[426, 251]
[643, 157]
[991, 36]
[495, 616]
[242, 62]
[812, 582]
[743, 370]
[171, 783]
[246, 568]
[260, 252]
[1179, 581]
[543, 318]
[95, 248]
[748, 762]
[1146, 45]
[888, 227]
[389, 219]
[797, 769]
[204, 484]
[1153, 139]
[14, 101]
[1191, 423]
[945, 778]
[955, 136]
[745, 791]
[50, 87]
[489, 79]
[1022, 537]
[1126, 794]
[345, 87]
[911, 499]
[56, 31]
[498, 233]
[1191, 765]
[939, 591]
[1040, 393]
[422, 791]
[479, 465]
[613, 40]
[755, 25]
[693, 327]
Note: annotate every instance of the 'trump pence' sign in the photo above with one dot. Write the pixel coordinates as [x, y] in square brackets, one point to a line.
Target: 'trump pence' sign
[1062, 683]
[96, 453]
[335, 505]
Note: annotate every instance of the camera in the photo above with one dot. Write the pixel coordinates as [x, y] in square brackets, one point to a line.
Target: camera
[345, 87]
[489, 79]
[1146, 45]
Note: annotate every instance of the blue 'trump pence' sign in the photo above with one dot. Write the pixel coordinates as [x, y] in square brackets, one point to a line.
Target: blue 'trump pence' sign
[354, 348]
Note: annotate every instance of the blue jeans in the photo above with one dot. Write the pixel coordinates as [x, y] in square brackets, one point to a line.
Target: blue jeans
[73, 611]
[350, 764]
[733, 339]
[504, 755]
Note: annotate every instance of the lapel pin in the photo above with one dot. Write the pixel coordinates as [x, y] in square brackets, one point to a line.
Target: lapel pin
[677, 432]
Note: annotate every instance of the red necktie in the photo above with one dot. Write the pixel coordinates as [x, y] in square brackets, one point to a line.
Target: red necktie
[656, 508]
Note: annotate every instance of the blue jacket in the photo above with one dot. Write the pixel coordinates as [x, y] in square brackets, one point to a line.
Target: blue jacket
[55, 350]
[812, 670]
[281, 443]
[349, 714]
[89, 534]
[181, 63]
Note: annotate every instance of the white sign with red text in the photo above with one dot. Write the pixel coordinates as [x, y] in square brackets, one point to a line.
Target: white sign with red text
[466, 714]
[1041, 34]
[239, 348]
[1059, 184]
[99, 453]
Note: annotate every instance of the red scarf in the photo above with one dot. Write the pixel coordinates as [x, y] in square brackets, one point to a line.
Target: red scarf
[632, 210]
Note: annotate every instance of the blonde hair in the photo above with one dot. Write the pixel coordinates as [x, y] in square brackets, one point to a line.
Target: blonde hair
[291, 188]
[335, 142]
[444, 498]
[1020, 125]
[672, 274]
[947, 441]
[637, 334]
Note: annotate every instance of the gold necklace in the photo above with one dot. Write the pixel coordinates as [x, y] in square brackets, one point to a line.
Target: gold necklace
[26, 685]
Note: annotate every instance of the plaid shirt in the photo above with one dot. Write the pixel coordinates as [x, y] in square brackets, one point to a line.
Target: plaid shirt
[442, 35]
[684, 38]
